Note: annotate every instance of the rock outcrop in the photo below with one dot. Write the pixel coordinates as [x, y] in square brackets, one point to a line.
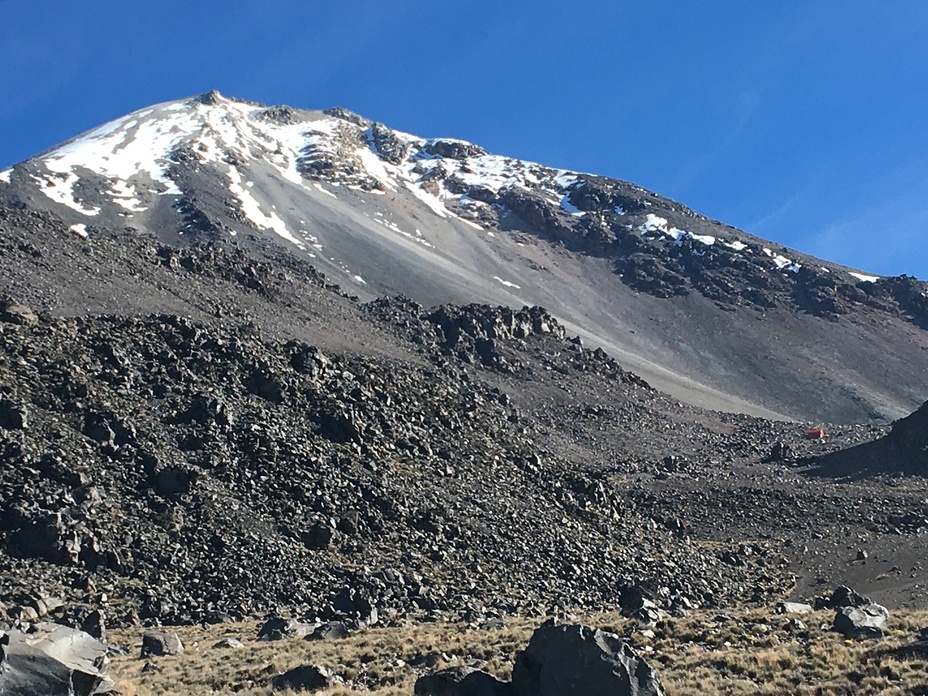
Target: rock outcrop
[461, 681]
[576, 660]
[560, 660]
[53, 660]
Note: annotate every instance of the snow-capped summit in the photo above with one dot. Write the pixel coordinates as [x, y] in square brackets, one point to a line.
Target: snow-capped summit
[138, 168]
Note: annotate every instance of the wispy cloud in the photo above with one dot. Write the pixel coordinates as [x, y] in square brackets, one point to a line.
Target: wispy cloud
[718, 153]
[32, 69]
[773, 220]
[887, 238]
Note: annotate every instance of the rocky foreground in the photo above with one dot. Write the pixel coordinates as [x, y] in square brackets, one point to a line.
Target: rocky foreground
[843, 644]
[767, 651]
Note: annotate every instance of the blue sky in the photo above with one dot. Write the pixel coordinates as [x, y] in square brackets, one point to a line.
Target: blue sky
[803, 122]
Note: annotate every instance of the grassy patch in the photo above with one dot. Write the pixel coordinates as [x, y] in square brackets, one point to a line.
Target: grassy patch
[743, 652]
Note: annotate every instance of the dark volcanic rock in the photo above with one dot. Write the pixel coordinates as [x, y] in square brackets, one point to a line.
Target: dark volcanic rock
[908, 441]
[304, 678]
[903, 450]
[845, 597]
[388, 145]
[460, 681]
[347, 115]
[13, 416]
[94, 624]
[283, 115]
[204, 468]
[16, 313]
[578, 661]
[453, 149]
[329, 631]
[278, 628]
[174, 480]
[50, 536]
[158, 643]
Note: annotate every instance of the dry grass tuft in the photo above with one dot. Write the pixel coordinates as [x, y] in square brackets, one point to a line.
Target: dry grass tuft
[743, 652]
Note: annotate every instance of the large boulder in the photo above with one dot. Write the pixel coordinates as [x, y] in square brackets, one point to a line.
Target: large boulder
[460, 681]
[794, 608]
[576, 660]
[867, 621]
[158, 643]
[845, 597]
[51, 536]
[279, 628]
[53, 660]
[329, 630]
[94, 624]
[304, 678]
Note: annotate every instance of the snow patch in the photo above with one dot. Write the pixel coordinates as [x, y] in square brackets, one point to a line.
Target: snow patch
[125, 148]
[736, 245]
[433, 202]
[144, 142]
[488, 171]
[5, 175]
[863, 277]
[655, 223]
[61, 190]
[125, 195]
[328, 193]
[80, 229]
[781, 262]
[375, 167]
[507, 283]
[565, 179]
[706, 239]
[253, 212]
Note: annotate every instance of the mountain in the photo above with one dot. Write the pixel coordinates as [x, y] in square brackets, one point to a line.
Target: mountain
[708, 313]
[256, 359]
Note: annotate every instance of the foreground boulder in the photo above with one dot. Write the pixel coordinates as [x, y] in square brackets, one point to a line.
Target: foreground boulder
[794, 608]
[305, 678]
[53, 660]
[158, 643]
[843, 597]
[279, 628]
[460, 681]
[867, 621]
[329, 630]
[575, 660]
[569, 660]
